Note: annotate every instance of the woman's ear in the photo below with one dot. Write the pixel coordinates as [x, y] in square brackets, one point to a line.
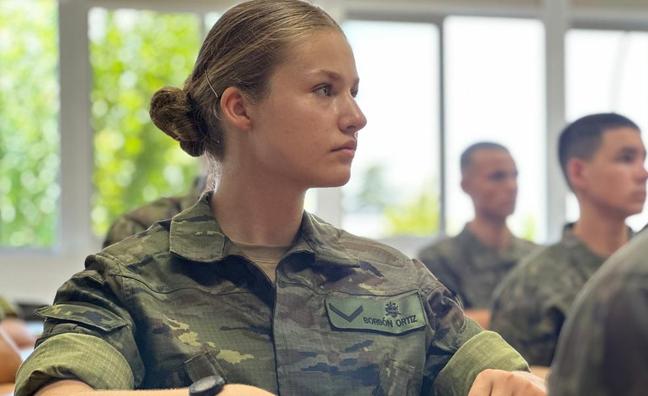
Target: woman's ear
[234, 106]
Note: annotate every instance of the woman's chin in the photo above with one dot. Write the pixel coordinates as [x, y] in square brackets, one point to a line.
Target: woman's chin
[333, 180]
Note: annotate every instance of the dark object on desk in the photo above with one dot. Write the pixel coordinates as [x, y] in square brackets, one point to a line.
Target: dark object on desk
[207, 386]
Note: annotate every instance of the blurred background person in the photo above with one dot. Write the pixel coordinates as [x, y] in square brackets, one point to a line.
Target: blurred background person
[602, 158]
[472, 263]
[14, 327]
[141, 218]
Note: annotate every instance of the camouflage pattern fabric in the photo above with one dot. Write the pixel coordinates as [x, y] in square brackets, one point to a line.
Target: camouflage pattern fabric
[469, 268]
[531, 303]
[179, 302]
[143, 217]
[602, 348]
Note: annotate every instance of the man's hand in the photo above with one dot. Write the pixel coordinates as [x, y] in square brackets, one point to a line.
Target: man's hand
[507, 383]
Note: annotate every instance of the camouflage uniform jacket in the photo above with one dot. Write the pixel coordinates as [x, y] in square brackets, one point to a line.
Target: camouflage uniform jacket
[143, 217]
[602, 348]
[532, 302]
[180, 302]
[469, 268]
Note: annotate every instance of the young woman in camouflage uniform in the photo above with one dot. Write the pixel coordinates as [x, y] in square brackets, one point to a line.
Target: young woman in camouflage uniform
[245, 284]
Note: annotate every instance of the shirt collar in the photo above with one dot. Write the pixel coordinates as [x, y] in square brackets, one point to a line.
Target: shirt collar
[512, 251]
[196, 236]
[570, 239]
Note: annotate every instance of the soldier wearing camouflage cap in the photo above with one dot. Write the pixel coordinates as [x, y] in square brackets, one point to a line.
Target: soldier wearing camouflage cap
[472, 263]
[602, 347]
[244, 284]
[602, 157]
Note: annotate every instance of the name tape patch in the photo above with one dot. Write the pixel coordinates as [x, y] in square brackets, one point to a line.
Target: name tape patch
[393, 314]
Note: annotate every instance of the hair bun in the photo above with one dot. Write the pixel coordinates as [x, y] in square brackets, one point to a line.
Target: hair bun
[171, 111]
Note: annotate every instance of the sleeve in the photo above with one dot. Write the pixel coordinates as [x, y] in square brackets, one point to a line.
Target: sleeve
[527, 317]
[458, 349]
[88, 335]
[602, 351]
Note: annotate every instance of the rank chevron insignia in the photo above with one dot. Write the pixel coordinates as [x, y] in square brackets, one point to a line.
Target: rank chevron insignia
[348, 318]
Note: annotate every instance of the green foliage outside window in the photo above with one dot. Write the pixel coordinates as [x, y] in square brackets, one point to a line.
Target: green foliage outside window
[415, 214]
[418, 216]
[133, 54]
[29, 137]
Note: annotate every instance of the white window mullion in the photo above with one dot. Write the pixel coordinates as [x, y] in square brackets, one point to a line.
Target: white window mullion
[76, 134]
[556, 23]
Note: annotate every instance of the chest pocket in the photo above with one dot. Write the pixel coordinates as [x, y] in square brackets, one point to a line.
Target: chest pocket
[383, 330]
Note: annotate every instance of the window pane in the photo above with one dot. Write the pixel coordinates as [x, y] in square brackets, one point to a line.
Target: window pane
[133, 54]
[495, 92]
[606, 71]
[210, 20]
[29, 136]
[394, 183]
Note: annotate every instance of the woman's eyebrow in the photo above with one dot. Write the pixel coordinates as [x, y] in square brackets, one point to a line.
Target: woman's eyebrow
[335, 76]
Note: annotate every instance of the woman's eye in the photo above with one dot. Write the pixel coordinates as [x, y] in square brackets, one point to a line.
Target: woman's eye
[324, 90]
[627, 158]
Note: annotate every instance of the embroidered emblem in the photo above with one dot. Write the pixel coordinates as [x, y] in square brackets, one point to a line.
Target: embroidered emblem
[391, 309]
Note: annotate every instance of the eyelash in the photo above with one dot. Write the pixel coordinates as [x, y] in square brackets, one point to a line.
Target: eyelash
[324, 90]
[329, 90]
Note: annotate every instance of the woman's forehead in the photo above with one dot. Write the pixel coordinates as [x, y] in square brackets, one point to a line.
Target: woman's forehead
[326, 53]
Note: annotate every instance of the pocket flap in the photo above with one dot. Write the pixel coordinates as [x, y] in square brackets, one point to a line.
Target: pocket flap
[88, 315]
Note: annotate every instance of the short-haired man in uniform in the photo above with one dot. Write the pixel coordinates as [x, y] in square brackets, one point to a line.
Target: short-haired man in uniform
[602, 157]
[473, 263]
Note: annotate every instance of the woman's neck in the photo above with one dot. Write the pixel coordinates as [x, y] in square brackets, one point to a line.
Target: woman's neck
[256, 211]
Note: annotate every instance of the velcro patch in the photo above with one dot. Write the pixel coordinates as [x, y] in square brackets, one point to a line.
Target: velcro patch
[387, 314]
